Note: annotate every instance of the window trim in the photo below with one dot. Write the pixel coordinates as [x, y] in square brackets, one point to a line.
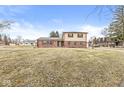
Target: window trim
[70, 33]
[78, 35]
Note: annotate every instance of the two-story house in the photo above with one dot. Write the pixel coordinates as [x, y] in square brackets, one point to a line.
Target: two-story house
[68, 40]
[75, 39]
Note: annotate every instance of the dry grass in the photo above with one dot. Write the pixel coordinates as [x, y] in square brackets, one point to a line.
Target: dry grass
[61, 67]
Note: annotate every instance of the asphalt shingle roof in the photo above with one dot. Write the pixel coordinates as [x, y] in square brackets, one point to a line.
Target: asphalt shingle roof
[43, 38]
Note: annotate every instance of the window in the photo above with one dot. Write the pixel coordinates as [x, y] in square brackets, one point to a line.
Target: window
[81, 43]
[45, 42]
[74, 43]
[80, 35]
[70, 35]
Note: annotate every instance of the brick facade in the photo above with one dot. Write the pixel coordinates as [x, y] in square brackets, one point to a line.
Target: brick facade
[40, 44]
[75, 44]
[51, 43]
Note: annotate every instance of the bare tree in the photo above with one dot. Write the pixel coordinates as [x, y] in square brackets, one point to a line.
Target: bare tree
[6, 40]
[18, 39]
[99, 10]
[104, 32]
[0, 37]
[6, 24]
[92, 42]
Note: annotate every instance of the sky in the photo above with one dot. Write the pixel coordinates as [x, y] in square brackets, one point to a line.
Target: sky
[34, 21]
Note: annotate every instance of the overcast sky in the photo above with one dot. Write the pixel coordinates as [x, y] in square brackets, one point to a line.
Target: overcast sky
[32, 22]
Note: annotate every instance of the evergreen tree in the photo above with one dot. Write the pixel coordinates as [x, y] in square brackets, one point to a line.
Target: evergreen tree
[116, 28]
[57, 34]
[52, 34]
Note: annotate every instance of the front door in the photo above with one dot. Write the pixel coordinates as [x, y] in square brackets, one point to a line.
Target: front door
[58, 43]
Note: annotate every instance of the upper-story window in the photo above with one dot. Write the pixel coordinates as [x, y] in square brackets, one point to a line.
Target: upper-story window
[80, 35]
[70, 34]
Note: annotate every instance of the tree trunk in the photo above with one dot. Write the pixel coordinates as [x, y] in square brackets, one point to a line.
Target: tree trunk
[123, 44]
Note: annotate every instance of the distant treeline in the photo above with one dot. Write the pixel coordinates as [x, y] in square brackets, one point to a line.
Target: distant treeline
[4, 39]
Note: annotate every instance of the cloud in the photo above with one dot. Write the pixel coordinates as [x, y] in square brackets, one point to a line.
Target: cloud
[12, 11]
[33, 31]
[92, 30]
[26, 30]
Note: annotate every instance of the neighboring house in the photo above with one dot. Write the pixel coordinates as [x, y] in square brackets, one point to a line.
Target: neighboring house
[28, 43]
[68, 40]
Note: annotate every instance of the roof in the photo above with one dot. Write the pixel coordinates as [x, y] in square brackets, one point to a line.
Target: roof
[58, 39]
[28, 41]
[43, 38]
[76, 32]
[47, 38]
